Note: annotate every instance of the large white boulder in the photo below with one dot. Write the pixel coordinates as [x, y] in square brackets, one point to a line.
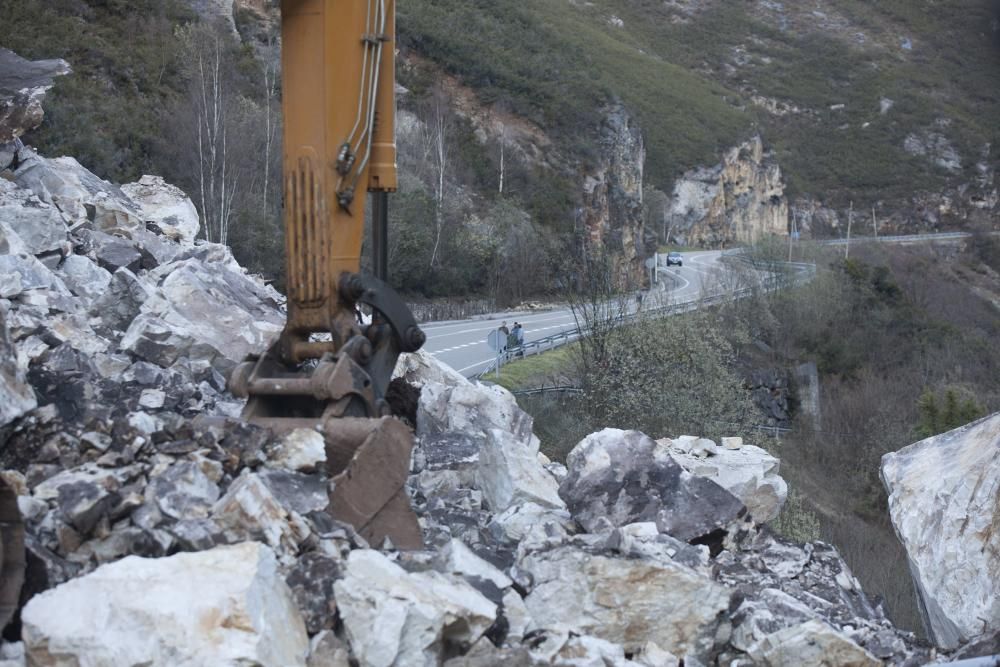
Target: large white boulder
[747, 472]
[470, 408]
[203, 306]
[397, 618]
[167, 206]
[944, 500]
[226, 606]
[625, 601]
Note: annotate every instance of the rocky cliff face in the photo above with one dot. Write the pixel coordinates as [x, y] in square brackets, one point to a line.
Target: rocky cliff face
[738, 201]
[611, 218]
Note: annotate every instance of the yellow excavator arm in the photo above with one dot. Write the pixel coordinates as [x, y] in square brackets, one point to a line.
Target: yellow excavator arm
[328, 370]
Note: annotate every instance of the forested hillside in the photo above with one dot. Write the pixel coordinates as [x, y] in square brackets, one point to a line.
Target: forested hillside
[888, 106]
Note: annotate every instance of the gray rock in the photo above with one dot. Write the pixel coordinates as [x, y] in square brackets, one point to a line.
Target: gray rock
[472, 409]
[508, 473]
[80, 195]
[311, 581]
[183, 491]
[249, 511]
[84, 503]
[811, 643]
[119, 255]
[197, 534]
[621, 477]
[83, 277]
[296, 492]
[121, 301]
[328, 650]
[20, 273]
[200, 310]
[29, 225]
[748, 472]
[154, 340]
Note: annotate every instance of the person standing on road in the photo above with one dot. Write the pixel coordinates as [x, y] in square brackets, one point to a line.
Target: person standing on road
[504, 334]
[518, 333]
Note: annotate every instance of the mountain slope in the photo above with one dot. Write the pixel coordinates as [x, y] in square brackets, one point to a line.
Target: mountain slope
[862, 101]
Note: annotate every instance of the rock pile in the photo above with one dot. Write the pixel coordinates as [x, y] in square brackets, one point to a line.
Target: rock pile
[161, 530]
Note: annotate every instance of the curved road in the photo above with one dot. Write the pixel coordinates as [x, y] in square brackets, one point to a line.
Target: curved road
[462, 344]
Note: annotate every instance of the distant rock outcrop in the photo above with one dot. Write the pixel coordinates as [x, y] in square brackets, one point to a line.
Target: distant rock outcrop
[611, 217]
[944, 500]
[738, 201]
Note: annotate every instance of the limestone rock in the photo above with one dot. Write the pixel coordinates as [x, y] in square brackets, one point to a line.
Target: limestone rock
[22, 273]
[943, 501]
[740, 200]
[611, 214]
[225, 606]
[811, 643]
[119, 255]
[79, 194]
[747, 472]
[16, 396]
[311, 581]
[165, 205]
[183, 491]
[395, 618]
[27, 224]
[83, 277]
[122, 299]
[471, 408]
[250, 511]
[302, 450]
[621, 477]
[420, 367]
[628, 602]
[208, 306]
[509, 473]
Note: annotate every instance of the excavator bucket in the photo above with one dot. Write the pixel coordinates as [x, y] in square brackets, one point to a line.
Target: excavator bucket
[330, 371]
[368, 452]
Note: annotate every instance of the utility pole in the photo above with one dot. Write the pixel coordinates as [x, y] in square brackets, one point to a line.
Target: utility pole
[850, 219]
[793, 234]
[875, 223]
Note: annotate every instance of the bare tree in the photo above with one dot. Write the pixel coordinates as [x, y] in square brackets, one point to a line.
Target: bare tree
[213, 110]
[270, 80]
[439, 135]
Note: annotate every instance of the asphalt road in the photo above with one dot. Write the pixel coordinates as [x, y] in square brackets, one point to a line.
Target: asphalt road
[462, 344]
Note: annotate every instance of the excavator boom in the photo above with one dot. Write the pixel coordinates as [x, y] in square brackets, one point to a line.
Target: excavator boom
[328, 370]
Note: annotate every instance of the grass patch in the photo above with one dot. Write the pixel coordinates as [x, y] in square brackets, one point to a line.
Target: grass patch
[550, 368]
